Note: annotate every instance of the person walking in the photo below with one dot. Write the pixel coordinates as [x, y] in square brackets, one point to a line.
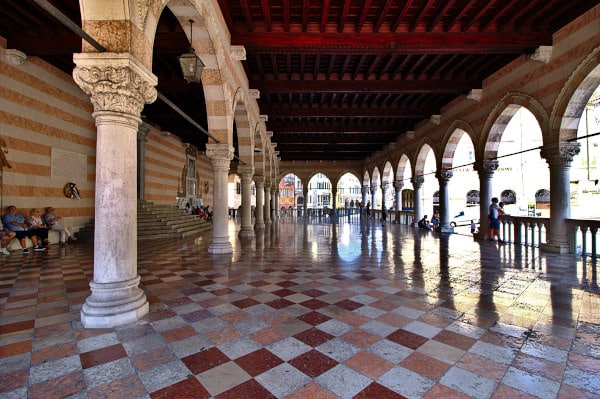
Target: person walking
[383, 215]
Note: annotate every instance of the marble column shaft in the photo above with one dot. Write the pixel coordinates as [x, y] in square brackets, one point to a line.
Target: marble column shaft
[267, 210]
[417, 182]
[246, 172]
[259, 184]
[444, 176]
[220, 156]
[486, 170]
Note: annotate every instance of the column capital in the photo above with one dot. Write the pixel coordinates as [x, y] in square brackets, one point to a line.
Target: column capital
[487, 167]
[560, 154]
[444, 174]
[258, 179]
[115, 82]
[220, 155]
[245, 171]
[417, 181]
[398, 185]
[267, 184]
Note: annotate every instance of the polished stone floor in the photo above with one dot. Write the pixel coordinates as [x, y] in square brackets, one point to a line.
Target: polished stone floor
[310, 310]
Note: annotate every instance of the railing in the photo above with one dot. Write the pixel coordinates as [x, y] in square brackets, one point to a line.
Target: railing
[522, 230]
[404, 217]
[531, 231]
[584, 236]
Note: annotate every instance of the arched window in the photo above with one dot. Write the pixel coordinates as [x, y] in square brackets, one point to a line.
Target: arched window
[473, 197]
[508, 197]
[542, 196]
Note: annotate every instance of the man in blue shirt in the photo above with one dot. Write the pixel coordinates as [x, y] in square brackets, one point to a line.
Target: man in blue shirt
[17, 223]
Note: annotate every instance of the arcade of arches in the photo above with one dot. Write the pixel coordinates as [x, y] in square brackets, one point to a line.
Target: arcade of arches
[422, 163]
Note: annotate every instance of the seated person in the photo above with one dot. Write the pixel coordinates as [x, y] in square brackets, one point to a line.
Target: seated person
[16, 222]
[435, 221]
[52, 220]
[37, 225]
[6, 237]
[424, 223]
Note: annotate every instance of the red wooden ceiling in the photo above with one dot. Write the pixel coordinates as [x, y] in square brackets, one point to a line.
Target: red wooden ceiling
[338, 79]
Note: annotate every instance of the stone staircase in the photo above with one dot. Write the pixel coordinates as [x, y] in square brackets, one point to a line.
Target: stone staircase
[158, 222]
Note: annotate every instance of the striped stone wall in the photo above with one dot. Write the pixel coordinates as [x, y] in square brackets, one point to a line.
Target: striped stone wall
[46, 123]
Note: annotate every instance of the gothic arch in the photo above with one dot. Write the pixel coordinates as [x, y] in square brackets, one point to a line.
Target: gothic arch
[451, 139]
[573, 97]
[502, 113]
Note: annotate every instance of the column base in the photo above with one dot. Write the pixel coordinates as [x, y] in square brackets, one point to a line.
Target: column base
[246, 232]
[556, 248]
[220, 246]
[447, 229]
[114, 304]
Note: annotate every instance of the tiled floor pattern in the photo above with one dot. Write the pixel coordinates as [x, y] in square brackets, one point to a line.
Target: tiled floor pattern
[311, 311]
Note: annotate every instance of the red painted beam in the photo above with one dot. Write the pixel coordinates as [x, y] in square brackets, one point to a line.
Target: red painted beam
[366, 86]
[397, 43]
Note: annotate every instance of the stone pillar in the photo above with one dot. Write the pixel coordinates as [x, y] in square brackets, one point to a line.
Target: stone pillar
[486, 171]
[267, 210]
[246, 172]
[334, 201]
[417, 182]
[305, 195]
[373, 195]
[384, 190]
[220, 156]
[398, 185]
[142, 138]
[119, 87]
[275, 199]
[259, 184]
[559, 157]
[444, 176]
[364, 191]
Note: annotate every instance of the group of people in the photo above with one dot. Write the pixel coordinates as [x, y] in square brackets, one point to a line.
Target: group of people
[432, 225]
[35, 227]
[204, 212]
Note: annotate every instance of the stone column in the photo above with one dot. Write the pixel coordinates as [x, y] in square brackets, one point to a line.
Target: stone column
[334, 201]
[373, 194]
[259, 184]
[119, 87]
[444, 176]
[364, 191]
[267, 209]
[486, 171]
[142, 137]
[398, 185]
[384, 191]
[417, 182]
[559, 157]
[305, 195]
[220, 156]
[275, 199]
[246, 172]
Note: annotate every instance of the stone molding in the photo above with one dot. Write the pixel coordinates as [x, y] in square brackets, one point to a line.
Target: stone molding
[417, 181]
[444, 174]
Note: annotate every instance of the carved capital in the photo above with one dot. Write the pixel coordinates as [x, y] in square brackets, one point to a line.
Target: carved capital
[268, 185]
[245, 172]
[444, 174]
[398, 185]
[560, 154]
[254, 93]
[487, 167]
[259, 181]
[115, 82]
[220, 155]
[417, 181]
[15, 57]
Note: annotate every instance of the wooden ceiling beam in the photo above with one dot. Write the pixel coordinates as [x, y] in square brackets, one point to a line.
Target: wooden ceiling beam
[367, 86]
[344, 112]
[397, 43]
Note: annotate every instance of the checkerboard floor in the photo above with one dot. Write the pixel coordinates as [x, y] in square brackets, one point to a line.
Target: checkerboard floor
[309, 310]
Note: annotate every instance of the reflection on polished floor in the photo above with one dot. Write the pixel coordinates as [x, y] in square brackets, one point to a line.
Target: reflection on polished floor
[310, 310]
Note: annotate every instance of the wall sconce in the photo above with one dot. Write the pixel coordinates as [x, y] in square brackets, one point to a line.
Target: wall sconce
[191, 64]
